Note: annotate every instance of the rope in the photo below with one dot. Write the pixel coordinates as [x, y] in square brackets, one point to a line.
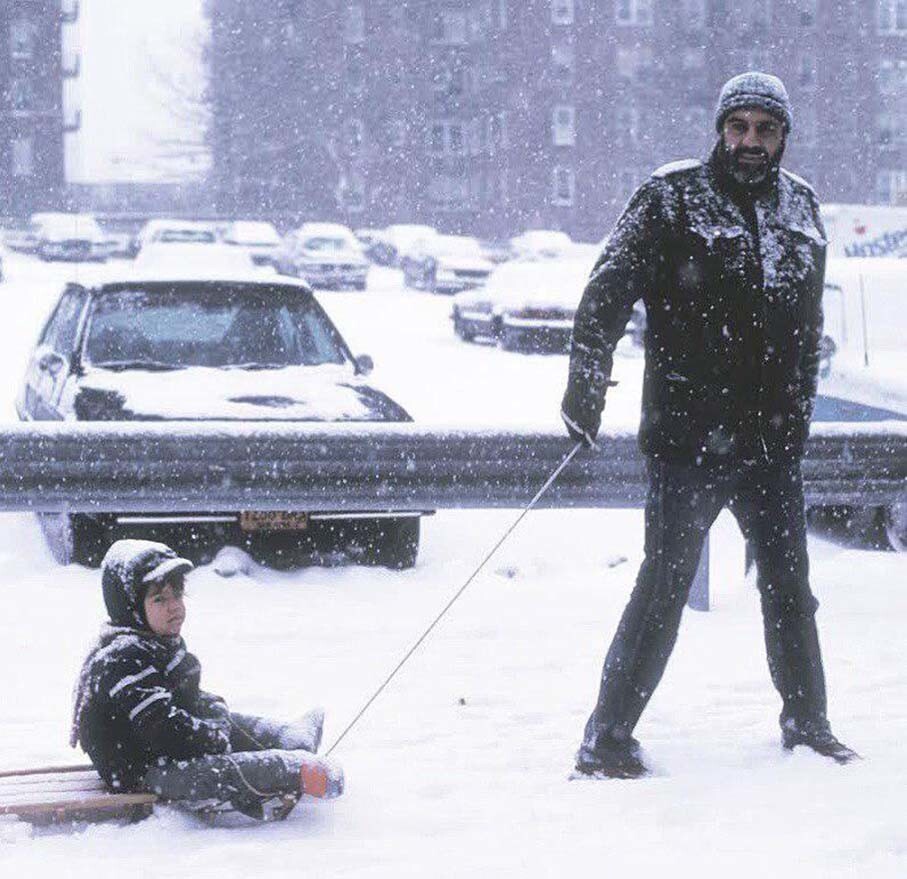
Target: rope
[569, 457]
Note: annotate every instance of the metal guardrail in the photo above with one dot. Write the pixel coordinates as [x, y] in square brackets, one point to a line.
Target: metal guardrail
[194, 467]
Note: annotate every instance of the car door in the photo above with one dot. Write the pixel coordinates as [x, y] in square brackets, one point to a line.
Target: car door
[52, 360]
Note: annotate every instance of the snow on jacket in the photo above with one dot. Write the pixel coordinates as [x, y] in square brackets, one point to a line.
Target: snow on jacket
[138, 696]
[733, 296]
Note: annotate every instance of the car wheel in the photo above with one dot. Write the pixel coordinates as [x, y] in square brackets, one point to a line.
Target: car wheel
[74, 539]
[895, 520]
[393, 543]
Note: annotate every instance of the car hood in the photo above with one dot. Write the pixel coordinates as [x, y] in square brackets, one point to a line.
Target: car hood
[464, 264]
[341, 258]
[294, 393]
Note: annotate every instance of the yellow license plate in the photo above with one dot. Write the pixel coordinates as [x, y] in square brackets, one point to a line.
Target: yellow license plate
[273, 521]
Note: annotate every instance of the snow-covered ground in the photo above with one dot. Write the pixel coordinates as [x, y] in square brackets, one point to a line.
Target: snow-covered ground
[461, 767]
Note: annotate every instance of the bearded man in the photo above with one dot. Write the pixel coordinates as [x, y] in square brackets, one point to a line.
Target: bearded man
[728, 256]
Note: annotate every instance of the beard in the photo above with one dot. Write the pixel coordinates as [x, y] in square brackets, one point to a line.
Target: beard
[750, 167]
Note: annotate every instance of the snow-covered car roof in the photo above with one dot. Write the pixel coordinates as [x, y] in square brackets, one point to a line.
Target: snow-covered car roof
[556, 282]
[68, 224]
[238, 270]
[546, 242]
[328, 230]
[251, 232]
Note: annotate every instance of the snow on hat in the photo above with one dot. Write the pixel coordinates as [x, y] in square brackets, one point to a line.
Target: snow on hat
[754, 89]
[129, 567]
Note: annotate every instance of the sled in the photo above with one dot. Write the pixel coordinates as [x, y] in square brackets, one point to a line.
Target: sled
[67, 794]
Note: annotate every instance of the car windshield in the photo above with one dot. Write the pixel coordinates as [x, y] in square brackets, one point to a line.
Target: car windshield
[214, 325]
[194, 236]
[324, 244]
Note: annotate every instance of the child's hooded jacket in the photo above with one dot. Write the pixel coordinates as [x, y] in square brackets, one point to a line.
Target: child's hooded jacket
[138, 697]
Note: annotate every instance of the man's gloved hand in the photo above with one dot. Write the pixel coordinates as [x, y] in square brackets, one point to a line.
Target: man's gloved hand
[580, 414]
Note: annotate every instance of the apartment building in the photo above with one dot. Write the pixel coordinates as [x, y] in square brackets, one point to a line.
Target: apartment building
[498, 115]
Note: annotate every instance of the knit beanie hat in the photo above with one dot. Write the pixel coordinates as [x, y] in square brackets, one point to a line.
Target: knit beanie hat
[754, 89]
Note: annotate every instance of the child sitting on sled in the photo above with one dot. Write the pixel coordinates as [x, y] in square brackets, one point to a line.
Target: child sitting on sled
[142, 718]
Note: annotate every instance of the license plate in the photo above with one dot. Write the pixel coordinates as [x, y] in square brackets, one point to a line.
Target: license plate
[273, 520]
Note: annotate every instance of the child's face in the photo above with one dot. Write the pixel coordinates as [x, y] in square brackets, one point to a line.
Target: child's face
[164, 607]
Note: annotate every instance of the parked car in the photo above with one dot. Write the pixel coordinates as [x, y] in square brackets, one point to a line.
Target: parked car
[71, 237]
[542, 244]
[258, 239]
[445, 264]
[373, 245]
[326, 255]
[497, 250]
[397, 239]
[136, 345]
[175, 231]
[21, 238]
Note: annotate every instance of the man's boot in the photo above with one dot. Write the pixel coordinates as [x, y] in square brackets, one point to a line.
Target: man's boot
[611, 758]
[818, 737]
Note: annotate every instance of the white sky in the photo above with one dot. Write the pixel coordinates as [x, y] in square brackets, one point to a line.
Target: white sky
[128, 110]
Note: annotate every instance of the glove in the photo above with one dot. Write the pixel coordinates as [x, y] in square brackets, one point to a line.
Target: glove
[580, 415]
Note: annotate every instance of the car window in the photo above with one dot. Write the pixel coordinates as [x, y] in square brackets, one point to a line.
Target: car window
[61, 329]
[194, 236]
[322, 244]
[209, 325]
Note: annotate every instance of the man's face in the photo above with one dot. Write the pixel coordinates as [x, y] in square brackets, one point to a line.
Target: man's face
[164, 607]
[752, 139]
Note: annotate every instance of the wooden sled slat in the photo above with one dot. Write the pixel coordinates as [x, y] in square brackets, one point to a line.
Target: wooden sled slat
[64, 794]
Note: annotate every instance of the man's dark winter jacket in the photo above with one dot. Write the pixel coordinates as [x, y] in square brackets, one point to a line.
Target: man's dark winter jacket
[138, 696]
[733, 293]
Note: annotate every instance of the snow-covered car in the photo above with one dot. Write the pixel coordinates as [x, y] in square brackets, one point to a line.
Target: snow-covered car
[136, 345]
[70, 237]
[21, 238]
[373, 245]
[539, 244]
[326, 255]
[445, 264]
[260, 240]
[175, 231]
[526, 305]
[397, 239]
[196, 258]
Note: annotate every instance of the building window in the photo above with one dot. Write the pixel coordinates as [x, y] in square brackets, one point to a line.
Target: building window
[22, 38]
[354, 24]
[351, 193]
[889, 129]
[562, 11]
[892, 77]
[20, 94]
[563, 60]
[633, 62]
[891, 187]
[760, 14]
[633, 12]
[563, 126]
[23, 154]
[806, 72]
[563, 187]
[892, 16]
[353, 136]
[626, 120]
[496, 132]
[694, 14]
[807, 13]
[447, 138]
[449, 191]
[450, 27]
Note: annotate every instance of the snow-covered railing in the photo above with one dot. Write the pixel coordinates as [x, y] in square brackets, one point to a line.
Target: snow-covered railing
[191, 467]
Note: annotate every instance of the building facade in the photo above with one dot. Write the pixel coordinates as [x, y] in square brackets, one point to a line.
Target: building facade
[33, 121]
[497, 115]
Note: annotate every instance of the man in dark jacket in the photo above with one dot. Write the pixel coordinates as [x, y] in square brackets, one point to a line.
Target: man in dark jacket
[728, 256]
[142, 718]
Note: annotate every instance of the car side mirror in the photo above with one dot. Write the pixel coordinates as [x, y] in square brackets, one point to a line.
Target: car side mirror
[51, 363]
[364, 364]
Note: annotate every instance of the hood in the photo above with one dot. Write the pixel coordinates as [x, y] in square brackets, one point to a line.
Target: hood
[129, 567]
[294, 393]
[464, 263]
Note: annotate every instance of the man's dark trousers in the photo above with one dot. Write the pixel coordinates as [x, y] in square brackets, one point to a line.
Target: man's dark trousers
[683, 501]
